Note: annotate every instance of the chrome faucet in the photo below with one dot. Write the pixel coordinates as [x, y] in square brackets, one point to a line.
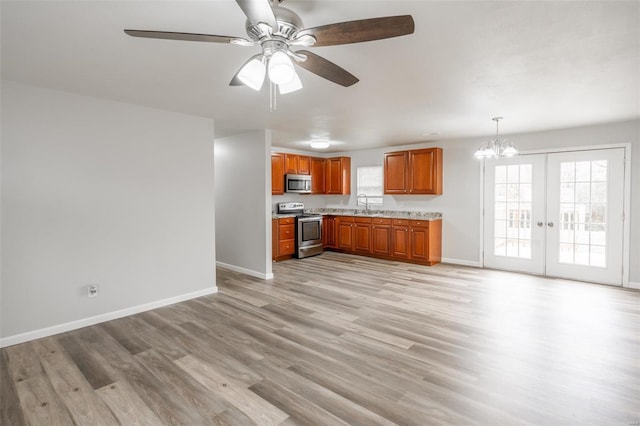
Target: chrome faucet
[366, 201]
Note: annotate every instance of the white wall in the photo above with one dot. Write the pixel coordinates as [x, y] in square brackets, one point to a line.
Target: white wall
[243, 203]
[95, 191]
[460, 202]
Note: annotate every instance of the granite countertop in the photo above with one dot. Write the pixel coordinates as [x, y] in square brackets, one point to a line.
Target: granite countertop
[391, 214]
[281, 216]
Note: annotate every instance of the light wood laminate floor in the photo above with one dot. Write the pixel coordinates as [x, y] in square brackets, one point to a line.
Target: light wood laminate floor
[340, 339]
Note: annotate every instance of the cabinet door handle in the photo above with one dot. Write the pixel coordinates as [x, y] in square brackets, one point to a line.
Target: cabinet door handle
[550, 224]
[540, 224]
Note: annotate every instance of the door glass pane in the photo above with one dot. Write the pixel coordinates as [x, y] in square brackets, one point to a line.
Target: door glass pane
[583, 206]
[567, 192]
[512, 225]
[568, 172]
[598, 171]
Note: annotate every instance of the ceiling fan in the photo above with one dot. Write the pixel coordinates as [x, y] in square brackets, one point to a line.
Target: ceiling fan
[278, 30]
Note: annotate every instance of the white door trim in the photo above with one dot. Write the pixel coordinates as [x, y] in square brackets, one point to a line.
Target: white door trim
[626, 227]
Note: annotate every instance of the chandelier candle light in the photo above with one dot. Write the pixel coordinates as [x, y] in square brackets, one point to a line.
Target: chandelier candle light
[496, 147]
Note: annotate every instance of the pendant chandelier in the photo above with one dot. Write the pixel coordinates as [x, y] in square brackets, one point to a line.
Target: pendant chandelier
[496, 147]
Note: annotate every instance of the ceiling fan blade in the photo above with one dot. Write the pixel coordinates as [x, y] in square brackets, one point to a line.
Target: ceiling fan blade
[326, 69]
[258, 11]
[361, 30]
[168, 35]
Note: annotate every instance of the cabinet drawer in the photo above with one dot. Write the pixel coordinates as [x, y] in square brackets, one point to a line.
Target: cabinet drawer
[420, 223]
[381, 221]
[286, 247]
[344, 219]
[363, 220]
[287, 221]
[401, 222]
[286, 232]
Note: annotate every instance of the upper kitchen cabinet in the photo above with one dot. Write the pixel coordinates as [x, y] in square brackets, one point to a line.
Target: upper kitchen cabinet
[395, 171]
[317, 175]
[413, 172]
[338, 176]
[304, 165]
[277, 173]
[328, 175]
[291, 164]
[296, 164]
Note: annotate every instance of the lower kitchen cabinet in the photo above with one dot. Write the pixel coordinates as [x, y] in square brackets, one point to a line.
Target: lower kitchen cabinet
[420, 240]
[362, 234]
[401, 243]
[283, 238]
[415, 241]
[329, 232]
[381, 237]
[344, 230]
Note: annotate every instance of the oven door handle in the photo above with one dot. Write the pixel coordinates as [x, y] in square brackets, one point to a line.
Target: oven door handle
[310, 219]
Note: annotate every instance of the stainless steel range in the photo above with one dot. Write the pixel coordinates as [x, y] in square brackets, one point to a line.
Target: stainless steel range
[308, 229]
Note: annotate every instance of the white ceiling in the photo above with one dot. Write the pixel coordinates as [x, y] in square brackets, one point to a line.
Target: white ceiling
[541, 65]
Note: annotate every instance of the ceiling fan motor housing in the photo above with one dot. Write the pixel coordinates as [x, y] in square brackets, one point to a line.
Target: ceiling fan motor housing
[289, 23]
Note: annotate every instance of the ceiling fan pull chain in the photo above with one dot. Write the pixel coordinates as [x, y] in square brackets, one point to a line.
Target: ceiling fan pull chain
[273, 93]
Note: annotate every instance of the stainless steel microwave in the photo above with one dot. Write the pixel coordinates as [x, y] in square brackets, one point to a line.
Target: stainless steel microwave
[300, 184]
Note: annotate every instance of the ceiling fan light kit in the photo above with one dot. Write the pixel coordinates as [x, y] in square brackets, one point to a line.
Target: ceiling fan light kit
[281, 68]
[292, 86]
[496, 147]
[277, 30]
[252, 73]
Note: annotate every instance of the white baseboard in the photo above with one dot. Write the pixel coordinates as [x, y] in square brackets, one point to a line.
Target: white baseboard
[633, 285]
[244, 271]
[85, 322]
[461, 262]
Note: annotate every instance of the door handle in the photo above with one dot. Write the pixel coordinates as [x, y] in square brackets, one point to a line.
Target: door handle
[540, 224]
[550, 224]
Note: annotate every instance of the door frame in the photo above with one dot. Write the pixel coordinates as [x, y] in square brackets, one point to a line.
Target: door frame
[626, 223]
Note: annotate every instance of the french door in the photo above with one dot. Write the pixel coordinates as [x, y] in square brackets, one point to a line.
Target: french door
[557, 214]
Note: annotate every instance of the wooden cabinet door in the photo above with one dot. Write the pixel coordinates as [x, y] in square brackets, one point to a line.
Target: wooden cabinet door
[381, 240]
[329, 231]
[317, 175]
[362, 237]
[338, 176]
[425, 171]
[419, 243]
[304, 165]
[400, 241]
[345, 234]
[291, 163]
[395, 172]
[333, 171]
[277, 174]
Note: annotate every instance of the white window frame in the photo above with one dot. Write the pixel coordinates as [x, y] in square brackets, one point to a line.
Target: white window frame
[373, 191]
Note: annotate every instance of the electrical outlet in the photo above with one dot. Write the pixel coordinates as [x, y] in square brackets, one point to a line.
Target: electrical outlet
[92, 290]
